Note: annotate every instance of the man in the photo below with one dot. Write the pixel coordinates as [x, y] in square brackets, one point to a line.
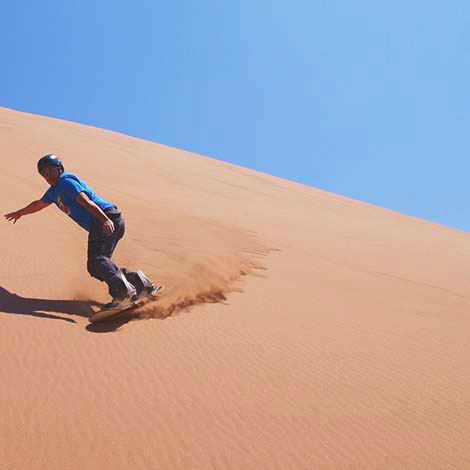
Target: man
[101, 219]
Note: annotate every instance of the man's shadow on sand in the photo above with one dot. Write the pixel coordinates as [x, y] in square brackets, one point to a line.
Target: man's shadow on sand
[17, 305]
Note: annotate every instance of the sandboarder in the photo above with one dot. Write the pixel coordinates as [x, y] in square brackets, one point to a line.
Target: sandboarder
[104, 223]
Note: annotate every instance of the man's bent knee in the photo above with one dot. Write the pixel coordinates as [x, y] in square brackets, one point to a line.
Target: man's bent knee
[97, 267]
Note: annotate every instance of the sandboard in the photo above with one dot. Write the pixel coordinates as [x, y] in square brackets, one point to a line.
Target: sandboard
[106, 314]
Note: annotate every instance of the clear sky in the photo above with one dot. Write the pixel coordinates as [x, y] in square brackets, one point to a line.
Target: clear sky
[368, 99]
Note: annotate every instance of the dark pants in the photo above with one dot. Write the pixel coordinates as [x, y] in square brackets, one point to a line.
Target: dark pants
[100, 250]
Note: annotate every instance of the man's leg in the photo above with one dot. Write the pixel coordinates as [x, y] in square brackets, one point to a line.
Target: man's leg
[100, 250]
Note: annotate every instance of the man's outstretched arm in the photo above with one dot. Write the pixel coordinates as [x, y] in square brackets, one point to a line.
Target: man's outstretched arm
[35, 206]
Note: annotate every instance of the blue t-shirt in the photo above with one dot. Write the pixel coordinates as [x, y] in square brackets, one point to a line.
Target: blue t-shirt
[64, 194]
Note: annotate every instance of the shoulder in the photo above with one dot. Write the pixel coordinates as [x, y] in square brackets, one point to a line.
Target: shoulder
[49, 195]
[69, 178]
[66, 176]
[69, 182]
[50, 190]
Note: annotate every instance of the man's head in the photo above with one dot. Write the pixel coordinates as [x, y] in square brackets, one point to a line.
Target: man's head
[50, 168]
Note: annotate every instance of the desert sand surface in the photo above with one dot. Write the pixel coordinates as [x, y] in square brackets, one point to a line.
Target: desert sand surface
[298, 330]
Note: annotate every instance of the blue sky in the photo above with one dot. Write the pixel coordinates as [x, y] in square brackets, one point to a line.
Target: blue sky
[362, 98]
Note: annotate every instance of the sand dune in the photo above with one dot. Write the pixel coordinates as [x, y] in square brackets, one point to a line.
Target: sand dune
[298, 329]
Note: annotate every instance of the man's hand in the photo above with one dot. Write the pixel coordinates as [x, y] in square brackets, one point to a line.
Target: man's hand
[13, 216]
[35, 206]
[108, 227]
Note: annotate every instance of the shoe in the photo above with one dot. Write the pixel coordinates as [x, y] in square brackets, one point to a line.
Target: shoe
[121, 302]
[145, 286]
[146, 294]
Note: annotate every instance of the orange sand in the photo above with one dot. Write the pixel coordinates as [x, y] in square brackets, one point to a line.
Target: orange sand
[345, 346]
